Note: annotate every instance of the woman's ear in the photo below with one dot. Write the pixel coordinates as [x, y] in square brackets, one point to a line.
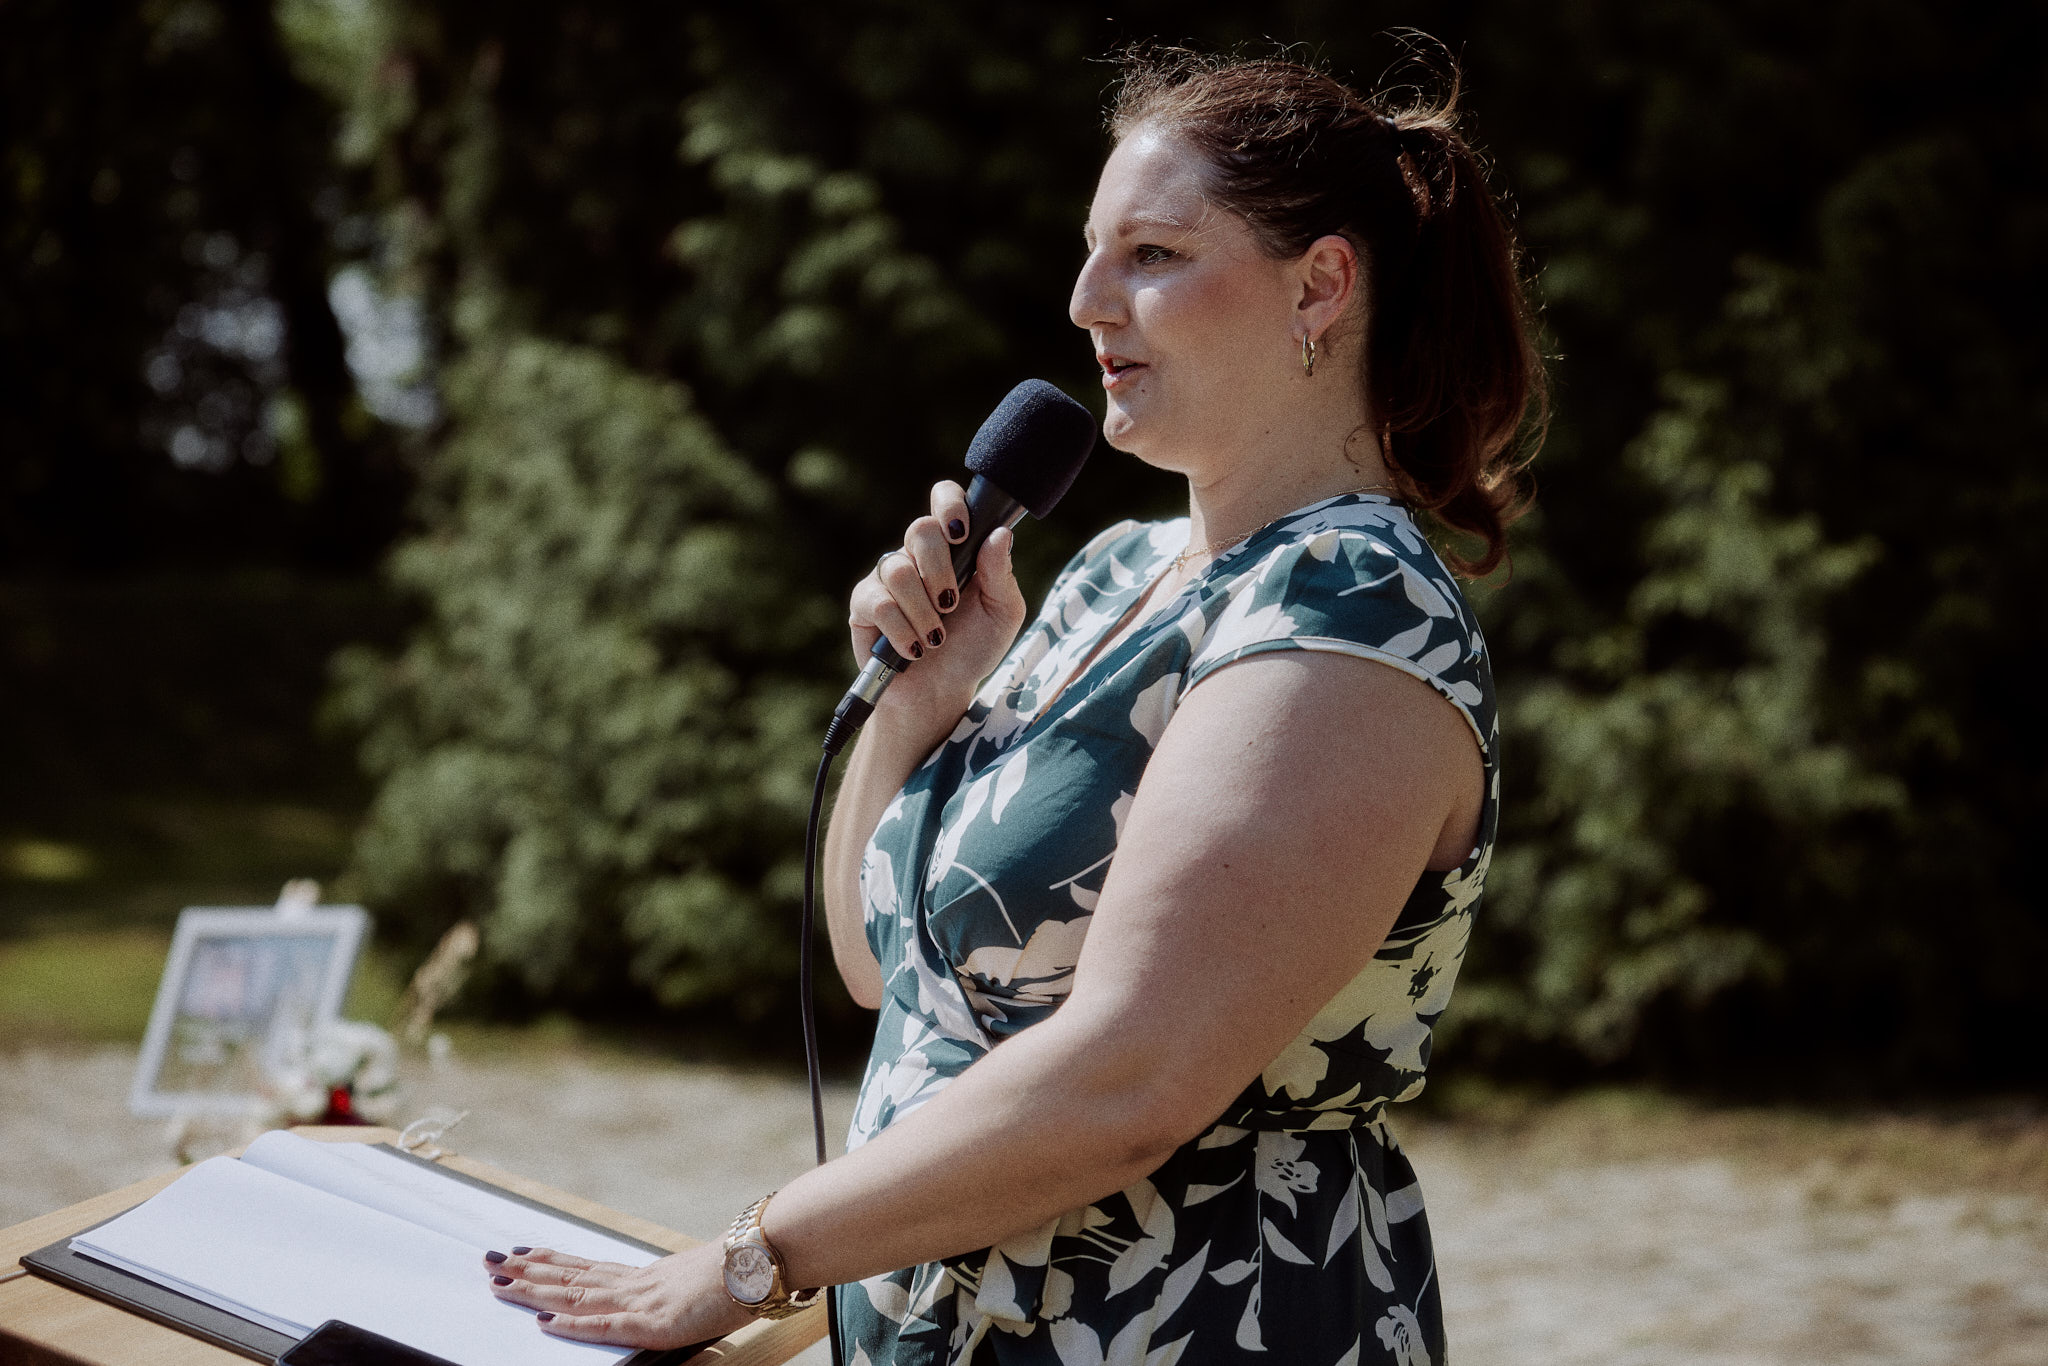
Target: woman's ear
[1330, 281]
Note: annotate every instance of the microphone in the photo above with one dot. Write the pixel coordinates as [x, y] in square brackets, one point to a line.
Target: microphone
[1024, 458]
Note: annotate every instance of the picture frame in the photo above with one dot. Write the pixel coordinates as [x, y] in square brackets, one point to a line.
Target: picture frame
[242, 988]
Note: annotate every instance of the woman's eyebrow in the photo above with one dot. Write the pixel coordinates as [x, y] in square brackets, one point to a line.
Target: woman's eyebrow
[1140, 222]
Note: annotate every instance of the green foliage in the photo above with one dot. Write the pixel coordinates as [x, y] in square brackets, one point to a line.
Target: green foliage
[596, 741]
[173, 387]
[1643, 751]
[93, 986]
[1775, 762]
[97, 986]
[1770, 762]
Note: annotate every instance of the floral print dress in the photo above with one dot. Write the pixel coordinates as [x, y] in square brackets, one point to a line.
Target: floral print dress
[1292, 1231]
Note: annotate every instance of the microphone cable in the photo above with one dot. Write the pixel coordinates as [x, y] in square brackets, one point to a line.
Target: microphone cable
[806, 971]
[1024, 458]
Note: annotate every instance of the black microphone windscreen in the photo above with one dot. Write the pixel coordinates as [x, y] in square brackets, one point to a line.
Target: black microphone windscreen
[1033, 445]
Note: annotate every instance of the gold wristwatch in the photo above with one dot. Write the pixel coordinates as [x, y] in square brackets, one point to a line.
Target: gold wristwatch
[753, 1269]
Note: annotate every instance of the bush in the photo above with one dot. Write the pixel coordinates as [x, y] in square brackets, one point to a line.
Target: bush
[600, 738]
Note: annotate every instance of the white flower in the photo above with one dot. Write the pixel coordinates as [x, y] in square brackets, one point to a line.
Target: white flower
[889, 1299]
[1148, 1252]
[945, 853]
[1424, 981]
[1298, 1070]
[878, 877]
[1056, 1301]
[1241, 623]
[1154, 707]
[902, 1084]
[1401, 1334]
[1278, 1167]
[1301, 1066]
[1051, 952]
[303, 1070]
[1463, 888]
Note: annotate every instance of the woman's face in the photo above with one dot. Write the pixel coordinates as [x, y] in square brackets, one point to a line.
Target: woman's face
[1195, 327]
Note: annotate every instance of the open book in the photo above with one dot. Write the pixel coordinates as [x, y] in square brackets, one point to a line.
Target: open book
[296, 1232]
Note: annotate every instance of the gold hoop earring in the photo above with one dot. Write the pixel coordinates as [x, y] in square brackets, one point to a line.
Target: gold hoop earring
[1308, 356]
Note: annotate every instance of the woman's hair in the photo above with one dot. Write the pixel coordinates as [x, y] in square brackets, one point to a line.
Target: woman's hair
[1449, 363]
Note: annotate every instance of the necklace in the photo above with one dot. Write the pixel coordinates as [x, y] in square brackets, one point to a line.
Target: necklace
[1180, 561]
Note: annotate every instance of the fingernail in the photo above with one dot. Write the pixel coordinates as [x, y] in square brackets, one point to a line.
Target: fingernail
[947, 597]
[495, 1257]
[521, 1251]
[956, 530]
[544, 1316]
[501, 1280]
[937, 638]
[916, 650]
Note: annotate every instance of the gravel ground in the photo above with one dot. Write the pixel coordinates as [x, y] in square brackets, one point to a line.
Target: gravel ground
[1559, 1245]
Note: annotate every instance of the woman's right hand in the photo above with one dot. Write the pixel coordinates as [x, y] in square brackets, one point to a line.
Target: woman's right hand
[953, 638]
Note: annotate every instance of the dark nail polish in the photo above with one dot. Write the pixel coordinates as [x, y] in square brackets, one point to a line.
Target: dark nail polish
[521, 1251]
[916, 650]
[544, 1316]
[936, 638]
[947, 597]
[501, 1280]
[494, 1257]
[956, 530]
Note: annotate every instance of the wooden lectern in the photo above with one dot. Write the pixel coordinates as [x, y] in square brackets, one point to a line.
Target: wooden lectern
[43, 1322]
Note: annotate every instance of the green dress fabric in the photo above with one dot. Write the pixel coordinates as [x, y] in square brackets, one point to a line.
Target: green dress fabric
[1292, 1231]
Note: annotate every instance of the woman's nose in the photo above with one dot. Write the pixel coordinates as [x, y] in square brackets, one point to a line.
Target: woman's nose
[1095, 298]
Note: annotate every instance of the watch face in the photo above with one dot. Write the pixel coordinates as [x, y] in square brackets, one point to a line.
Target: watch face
[749, 1275]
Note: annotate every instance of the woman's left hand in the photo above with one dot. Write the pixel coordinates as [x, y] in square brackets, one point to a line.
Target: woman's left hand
[674, 1302]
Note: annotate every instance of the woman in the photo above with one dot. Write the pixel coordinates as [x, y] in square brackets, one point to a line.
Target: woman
[1132, 1111]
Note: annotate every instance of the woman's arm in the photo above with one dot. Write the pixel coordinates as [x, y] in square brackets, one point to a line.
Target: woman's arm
[913, 599]
[881, 761]
[1283, 821]
[1289, 809]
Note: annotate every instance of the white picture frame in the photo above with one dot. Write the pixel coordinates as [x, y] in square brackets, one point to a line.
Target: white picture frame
[242, 987]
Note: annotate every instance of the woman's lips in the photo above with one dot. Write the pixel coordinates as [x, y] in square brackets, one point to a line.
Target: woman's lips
[1116, 371]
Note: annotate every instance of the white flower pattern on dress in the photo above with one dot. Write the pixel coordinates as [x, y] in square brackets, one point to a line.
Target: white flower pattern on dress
[1279, 1168]
[1401, 1334]
[1291, 1231]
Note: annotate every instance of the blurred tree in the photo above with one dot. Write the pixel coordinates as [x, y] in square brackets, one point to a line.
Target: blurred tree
[192, 492]
[1789, 495]
[172, 378]
[1776, 766]
[845, 344]
[599, 732]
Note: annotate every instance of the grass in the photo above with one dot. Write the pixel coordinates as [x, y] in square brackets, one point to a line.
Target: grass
[87, 905]
[138, 861]
[96, 986]
[84, 986]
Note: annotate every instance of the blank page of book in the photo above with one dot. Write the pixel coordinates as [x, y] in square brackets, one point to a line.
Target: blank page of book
[370, 1175]
[291, 1257]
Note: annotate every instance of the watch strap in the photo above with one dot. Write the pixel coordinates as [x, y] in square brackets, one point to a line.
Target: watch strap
[780, 1302]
